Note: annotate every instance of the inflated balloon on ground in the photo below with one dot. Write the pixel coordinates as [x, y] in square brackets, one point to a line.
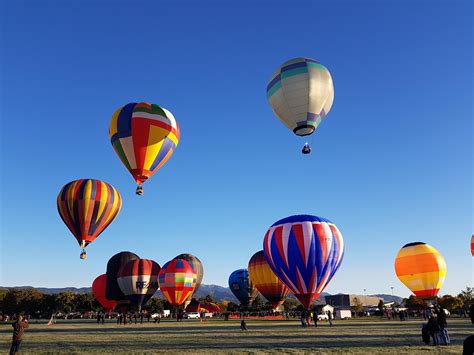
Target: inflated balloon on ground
[305, 252]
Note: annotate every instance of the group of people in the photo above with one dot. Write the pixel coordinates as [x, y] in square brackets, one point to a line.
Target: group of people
[436, 328]
[307, 317]
[124, 318]
[393, 314]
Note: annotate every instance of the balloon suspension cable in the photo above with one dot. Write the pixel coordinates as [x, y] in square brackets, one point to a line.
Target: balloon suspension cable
[139, 190]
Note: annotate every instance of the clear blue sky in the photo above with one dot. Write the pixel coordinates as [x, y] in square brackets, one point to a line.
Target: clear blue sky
[391, 164]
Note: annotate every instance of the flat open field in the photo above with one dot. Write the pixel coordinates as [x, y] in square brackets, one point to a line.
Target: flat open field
[217, 336]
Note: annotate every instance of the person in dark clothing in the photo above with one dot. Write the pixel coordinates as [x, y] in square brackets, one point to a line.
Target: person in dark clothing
[243, 325]
[315, 319]
[99, 316]
[443, 324]
[141, 318]
[134, 318]
[425, 334]
[19, 327]
[471, 313]
[468, 345]
[433, 329]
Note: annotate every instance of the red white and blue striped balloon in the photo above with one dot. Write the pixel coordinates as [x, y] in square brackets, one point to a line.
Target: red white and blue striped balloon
[138, 280]
[304, 252]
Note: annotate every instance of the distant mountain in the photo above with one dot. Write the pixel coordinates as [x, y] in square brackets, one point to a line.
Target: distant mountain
[389, 298]
[218, 293]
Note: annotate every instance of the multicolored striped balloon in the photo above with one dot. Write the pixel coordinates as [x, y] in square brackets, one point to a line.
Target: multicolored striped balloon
[98, 291]
[138, 280]
[301, 93]
[304, 252]
[197, 267]
[242, 287]
[177, 281]
[265, 280]
[87, 207]
[144, 136]
[421, 268]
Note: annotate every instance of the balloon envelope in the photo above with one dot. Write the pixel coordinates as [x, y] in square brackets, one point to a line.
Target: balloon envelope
[421, 268]
[197, 267]
[265, 280]
[98, 291]
[301, 93]
[112, 290]
[177, 281]
[87, 207]
[138, 280]
[472, 245]
[305, 252]
[242, 287]
[144, 136]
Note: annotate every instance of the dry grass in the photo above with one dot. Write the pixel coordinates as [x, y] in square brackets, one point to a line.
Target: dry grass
[217, 336]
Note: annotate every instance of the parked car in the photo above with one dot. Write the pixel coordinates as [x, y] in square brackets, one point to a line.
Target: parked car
[191, 315]
[155, 315]
[323, 316]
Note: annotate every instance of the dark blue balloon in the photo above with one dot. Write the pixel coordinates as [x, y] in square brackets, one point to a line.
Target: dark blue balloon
[242, 287]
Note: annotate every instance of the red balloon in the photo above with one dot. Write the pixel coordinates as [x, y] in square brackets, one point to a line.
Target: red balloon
[98, 291]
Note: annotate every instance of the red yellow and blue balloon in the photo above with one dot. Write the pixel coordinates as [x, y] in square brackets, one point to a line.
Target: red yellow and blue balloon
[144, 136]
[305, 252]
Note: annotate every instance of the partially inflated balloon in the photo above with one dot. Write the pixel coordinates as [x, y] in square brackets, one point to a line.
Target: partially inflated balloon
[87, 207]
[138, 280]
[304, 252]
[265, 280]
[421, 268]
[242, 287]
[144, 136]
[114, 264]
[177, 281]
[301, 93]
[98, 291]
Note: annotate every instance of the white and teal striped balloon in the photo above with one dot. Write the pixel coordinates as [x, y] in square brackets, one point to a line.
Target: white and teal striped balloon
[301, 93]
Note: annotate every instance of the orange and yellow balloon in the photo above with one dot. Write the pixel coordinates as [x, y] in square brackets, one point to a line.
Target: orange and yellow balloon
[421, 268]
[265, 280]
[87, 207]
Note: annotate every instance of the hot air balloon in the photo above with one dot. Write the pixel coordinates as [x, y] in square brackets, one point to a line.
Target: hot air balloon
[87, 207]
[138, 280]
[112, 290]
[242, 287]
[144, 136]
[472, 245]
[177, 281]
[421, 268]
[301, 94]
[98, 291]
[265, 280]
[304, 252]
[198, 269]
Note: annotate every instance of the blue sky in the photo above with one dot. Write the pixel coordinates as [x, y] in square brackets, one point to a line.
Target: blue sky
[391, 164]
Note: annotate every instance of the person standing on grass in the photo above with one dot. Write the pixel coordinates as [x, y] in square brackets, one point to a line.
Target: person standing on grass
[471, 313]
[433, 329]
[315, 318]
[443, 324]
[19, 327]
[329, 313]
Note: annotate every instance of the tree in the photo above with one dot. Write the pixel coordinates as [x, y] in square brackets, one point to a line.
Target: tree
[290, 304]
[357, 305]
[65, 302]
[381, 306]
[450, 303]
[466, 297]
[155, 305]
[415, 303]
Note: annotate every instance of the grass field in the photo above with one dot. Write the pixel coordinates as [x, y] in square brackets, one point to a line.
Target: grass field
[218, 336]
